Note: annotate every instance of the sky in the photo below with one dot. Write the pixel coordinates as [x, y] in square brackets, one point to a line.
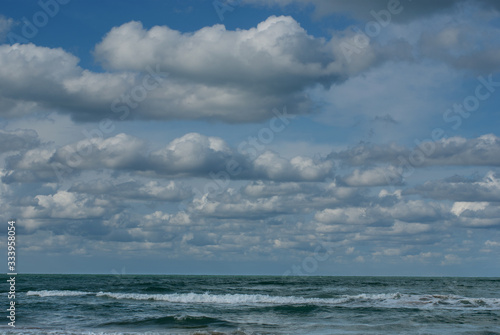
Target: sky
[277, 137]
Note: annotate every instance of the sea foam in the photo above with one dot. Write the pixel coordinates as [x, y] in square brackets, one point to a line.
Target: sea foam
[65, 293]
[387, 300]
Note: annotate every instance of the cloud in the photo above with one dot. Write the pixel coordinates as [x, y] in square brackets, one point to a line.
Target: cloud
[477, 214]
[249, 71]
[467, 42]
[198, 155]
[484, 150]
[411, 211]
[354, 215]
[305, 194]
[218, 74]
[240, 208]
[492, 244]
[460, 207]
[135, 190]
[38, 77]
[450, 259]
[400, 233]
[47, 165]
[191, 155]
[378, 176]
[17, 140]
[164, 74]
[461, 189]
[30, 166]
[453, 151]
[123, 194]
[361, 10]
[276, 55]
[369, 153]
[160, 218]
[423, 257]
[271, 166]
[234, 76]
[260, 189]
[271, 201]
[66, 205]
[5, 26]
[121, 151]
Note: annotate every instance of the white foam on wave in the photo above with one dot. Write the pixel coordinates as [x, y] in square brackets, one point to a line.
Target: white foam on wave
[456, 301]
[56, 293]
[222, 298]
[430, 301]
[387, 300]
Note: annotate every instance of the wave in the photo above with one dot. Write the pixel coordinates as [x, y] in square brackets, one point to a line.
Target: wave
[172, 320]
[387, 300]
[236, 299]
[66, 293]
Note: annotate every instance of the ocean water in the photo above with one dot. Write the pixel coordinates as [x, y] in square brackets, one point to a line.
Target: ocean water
[152, 304]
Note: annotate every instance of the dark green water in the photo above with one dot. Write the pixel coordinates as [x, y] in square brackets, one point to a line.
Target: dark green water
[136, 304]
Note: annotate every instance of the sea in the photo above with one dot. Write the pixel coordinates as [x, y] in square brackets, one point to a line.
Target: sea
[177, 304]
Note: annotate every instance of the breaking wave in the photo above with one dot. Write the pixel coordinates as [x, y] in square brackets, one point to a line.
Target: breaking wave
[67, 293]
[387, 300]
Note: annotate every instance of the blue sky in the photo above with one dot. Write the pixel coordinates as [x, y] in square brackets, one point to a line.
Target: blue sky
[305, 137]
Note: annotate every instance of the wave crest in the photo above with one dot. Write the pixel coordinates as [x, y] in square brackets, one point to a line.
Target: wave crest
[56, 293]
[387, 300]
